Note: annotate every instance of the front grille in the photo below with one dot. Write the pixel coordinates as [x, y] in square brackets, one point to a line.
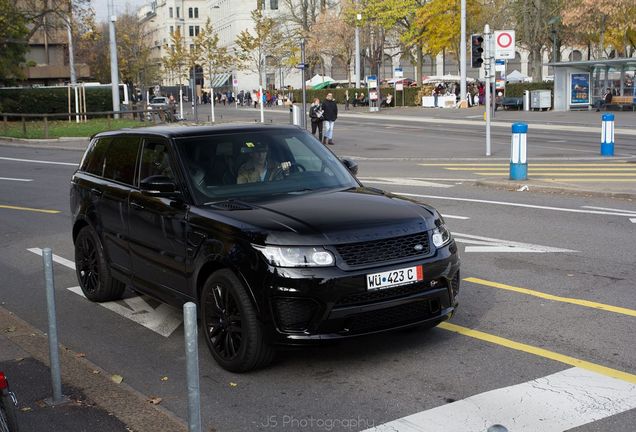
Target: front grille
[455, 284]
[379, 295]
[393, 316]
[294, 314]
[376, 251]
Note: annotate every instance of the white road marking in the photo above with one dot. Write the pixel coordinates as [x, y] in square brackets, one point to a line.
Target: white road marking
[510, 204]
[38, 161]
[632, 220]
[447, 216]
[56, 258]
[610, 209]
[487, 244]
[16, 179]
[163, 320]
[401, 182]
[554, 403]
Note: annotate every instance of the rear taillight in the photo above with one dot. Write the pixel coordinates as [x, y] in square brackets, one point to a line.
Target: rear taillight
[3, 381]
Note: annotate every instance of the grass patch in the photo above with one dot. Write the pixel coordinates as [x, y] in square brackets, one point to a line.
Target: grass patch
[64, 128]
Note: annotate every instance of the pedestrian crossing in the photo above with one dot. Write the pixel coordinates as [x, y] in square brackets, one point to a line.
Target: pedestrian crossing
[603, 172]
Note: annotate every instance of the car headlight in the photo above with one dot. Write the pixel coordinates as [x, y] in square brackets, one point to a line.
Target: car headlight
[295, 256]
[441, 236]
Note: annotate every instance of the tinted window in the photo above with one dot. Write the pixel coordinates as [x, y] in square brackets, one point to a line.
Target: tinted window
[95, 157]
[155, 160]
[121, 157]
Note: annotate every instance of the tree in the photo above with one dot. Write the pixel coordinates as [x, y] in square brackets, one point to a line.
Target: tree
[608, 22]
[267, 40]
[333, 35]
[440, 21]
[13, 41]
[214, 58]
[175, 62]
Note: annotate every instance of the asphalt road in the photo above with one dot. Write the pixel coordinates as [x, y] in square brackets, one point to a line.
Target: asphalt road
[543, 270]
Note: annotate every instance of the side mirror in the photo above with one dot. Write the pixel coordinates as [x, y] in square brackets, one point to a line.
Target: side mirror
[351, 166]
[158, 185]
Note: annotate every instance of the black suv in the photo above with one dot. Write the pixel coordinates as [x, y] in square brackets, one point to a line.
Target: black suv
[265, 229]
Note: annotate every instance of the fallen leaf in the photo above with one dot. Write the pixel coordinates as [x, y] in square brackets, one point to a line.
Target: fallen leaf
[26, 409]
[80, 355]
[96, 371]
[155, 400]
[19, 359]
[570, 275]
[233, 384]
[117, 379]
[164, 378]
[10, 329]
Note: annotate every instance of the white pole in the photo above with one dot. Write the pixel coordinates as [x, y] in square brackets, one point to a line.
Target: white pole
[180, 102]
[488, 70]
[462, 54]
[260, 94]
[358, 17]
[212, 103]
[114, 69]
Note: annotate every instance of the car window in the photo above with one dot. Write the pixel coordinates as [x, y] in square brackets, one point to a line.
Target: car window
[252, 165]
[95, 158]
[155, 160]
[120, 159]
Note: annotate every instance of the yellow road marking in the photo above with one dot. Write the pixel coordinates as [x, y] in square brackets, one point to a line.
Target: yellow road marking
[560, 174]
[533, 169]
[603, 370]
[29, 209]
[586, 303]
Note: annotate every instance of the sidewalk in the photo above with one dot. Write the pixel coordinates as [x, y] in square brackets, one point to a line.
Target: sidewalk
[96, 402]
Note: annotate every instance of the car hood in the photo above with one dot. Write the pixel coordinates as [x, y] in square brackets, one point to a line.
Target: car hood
[332, 217]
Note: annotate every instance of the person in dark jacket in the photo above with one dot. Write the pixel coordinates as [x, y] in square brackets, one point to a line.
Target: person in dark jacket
[316, 113]
[330, 115]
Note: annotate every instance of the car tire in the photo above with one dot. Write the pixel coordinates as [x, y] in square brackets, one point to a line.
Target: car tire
[93, 271]
[231, 326]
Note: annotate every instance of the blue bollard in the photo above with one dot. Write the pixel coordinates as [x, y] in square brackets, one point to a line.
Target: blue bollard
[607, 135]
[518, 161]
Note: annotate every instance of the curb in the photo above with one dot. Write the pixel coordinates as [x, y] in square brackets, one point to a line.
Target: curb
[124, 402]
[534, 187]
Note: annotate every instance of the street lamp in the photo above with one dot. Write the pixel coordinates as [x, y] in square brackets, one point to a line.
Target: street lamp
[554, 24]
[358, 19]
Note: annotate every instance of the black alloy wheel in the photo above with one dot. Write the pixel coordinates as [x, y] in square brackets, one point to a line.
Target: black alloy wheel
[230, 324]
[93, 272]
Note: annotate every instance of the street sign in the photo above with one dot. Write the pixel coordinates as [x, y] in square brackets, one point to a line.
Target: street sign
[234, 82]
[157, 89]
[504, 44]
[399, 86]
[372, 81]
[500, 65]
[398, 72]
[302, 65]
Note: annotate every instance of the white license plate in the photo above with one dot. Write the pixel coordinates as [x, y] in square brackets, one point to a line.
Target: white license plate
[393, 278]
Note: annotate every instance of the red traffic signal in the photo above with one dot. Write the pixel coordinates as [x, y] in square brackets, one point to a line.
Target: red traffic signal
[476, 51]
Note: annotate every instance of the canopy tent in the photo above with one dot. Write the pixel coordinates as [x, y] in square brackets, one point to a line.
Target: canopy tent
[516, 76]
[319, 81]
[220, 80]
[444, 78]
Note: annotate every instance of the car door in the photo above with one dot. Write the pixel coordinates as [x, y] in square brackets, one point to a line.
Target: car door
[157, 227]
[114, 174]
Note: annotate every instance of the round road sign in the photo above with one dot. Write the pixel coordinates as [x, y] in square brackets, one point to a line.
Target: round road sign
[504, 40]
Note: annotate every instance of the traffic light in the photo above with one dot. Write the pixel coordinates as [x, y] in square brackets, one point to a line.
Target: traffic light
[476, 51]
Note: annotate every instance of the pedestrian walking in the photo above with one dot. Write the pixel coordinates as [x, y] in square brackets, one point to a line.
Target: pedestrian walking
[346, 100]
[316, 114]
[330, 115]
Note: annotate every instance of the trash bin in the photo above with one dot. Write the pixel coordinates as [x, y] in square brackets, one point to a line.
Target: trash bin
[540, 99]
[526, 100]
[296, 115]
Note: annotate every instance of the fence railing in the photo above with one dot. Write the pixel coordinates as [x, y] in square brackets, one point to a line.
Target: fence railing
[155, 116]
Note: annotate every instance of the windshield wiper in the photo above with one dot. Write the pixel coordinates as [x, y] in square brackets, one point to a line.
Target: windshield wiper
[230, 204]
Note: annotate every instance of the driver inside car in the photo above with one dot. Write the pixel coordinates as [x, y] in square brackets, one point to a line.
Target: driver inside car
[258, 167]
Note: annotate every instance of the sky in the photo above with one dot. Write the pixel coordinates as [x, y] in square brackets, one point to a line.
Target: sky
[101, 7]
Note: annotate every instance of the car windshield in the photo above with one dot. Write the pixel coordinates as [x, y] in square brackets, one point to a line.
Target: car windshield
[256, 165]
[159, 100]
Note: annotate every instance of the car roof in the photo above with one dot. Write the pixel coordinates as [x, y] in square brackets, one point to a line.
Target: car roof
[184, 131]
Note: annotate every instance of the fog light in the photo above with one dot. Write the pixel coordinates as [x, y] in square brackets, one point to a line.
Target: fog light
[433, 283]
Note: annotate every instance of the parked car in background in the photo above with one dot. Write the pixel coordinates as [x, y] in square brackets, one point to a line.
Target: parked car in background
[265, 229]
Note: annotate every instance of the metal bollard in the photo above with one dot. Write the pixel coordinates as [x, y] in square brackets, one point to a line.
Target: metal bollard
[607, 135]
[54, 354]
[192, 366]
[518, 160]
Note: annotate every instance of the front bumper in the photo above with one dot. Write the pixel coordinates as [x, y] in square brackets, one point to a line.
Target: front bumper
[310, 305]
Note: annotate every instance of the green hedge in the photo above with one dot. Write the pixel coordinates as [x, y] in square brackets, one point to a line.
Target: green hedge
[410, 95]
[51, 100]
[517, 89]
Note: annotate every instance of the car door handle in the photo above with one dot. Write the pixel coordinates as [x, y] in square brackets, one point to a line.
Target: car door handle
[136, 205]
[97, 192]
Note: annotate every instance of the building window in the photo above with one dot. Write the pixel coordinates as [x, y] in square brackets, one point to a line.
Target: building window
[178, 11]
[191, 47]
[273, 4]
[171, 30]
[191, 33]
[196, 12]
[170, 12]
[190, 13]
[196, 30]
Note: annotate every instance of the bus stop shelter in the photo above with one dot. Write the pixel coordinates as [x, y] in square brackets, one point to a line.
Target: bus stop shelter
[579, 84]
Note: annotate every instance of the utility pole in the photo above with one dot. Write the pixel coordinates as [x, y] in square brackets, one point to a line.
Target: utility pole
[488, 69]
[358, 19]
[462, 54]
[114, 69]
[71, 60]
[302, 60]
